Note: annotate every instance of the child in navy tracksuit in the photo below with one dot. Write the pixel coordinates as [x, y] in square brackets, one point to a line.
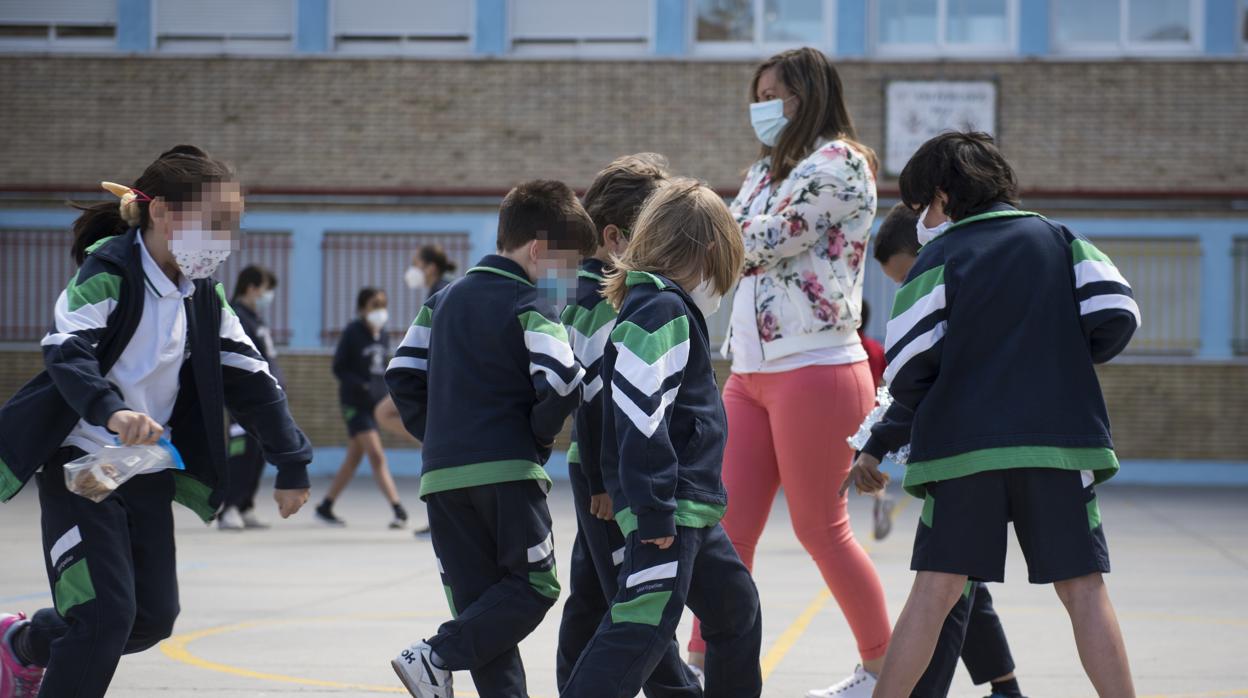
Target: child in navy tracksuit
[973, 631]
[144, 345]
[360, 367]
[485, 378]
[613, 201]
[663, 441]
[992, 344]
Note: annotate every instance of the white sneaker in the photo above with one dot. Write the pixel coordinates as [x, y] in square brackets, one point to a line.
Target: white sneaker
[230, 520]
[860, 684]
[252, 522]
[419, 674]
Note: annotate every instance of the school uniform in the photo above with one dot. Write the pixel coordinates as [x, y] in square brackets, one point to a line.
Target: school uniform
[663, 435]
[598, 550]
[485, 378]
[126, 337]
[972, 630]
[246, 463]
[360, 367]
[992, 344]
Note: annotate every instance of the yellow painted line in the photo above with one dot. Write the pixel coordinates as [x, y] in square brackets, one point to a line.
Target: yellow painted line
[176, 648]
[797, 628]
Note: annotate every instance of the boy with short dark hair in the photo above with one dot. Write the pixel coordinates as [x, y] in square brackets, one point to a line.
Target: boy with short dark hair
[992, 343]
[485, 379]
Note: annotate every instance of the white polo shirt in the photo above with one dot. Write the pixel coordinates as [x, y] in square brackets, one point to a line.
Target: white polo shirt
[147, 371]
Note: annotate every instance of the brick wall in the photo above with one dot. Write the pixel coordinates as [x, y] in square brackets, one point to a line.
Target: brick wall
[483, 124]
[1158, 410]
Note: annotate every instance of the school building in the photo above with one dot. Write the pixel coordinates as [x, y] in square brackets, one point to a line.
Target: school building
[365, 128]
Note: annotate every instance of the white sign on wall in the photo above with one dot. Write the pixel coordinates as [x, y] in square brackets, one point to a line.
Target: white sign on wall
[917, 110]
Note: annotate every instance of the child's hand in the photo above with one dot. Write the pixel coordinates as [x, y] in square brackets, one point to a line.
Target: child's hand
[661, 543]
[865, 475]
[134, 428]
[289, 501]
[600, 506]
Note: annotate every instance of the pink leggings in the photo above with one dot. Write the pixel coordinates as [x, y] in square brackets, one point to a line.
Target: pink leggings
[789, 429]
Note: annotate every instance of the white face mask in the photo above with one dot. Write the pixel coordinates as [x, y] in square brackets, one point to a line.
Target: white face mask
[197, 252]
[414, 277]
[378, 318]
[265, 299]
[925, 233]
[706, 298]
[768, 120]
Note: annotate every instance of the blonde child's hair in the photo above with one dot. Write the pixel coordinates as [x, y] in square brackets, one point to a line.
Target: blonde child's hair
[685, 233]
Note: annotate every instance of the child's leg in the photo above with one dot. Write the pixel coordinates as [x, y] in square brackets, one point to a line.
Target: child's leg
[938, 676]
[750, 477]
[918, 628]
[477, 532]
[387, 416]
[586, 603]
[111, 567]
[986, 652]
[346, 471]
[371, 441]
[245, 466]
[1097, 635]
[812, 411]
[723, 592]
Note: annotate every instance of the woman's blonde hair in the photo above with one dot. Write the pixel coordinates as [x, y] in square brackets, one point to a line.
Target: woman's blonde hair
[685, 233]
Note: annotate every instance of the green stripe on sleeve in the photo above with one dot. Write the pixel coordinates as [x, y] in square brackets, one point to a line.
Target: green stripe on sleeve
[9, 483]
[74, 587]
[100, 287]
[917, 288]
[649, 346]
[424, 318]
[646, 609]
[574, 453]
[1085, 251]
[225, 304]
[545, 583]
[533, 321]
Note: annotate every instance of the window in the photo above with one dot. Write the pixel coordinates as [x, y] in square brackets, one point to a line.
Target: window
[581, 27]
[224, 26]
[760, 26]
[1164, 274]
[951, 27]
[58, 25]
[408, 27]
[1243, 25]
[1126, 26]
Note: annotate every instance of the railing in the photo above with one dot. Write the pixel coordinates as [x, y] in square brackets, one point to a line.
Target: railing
[35, 267]
[272, 251]
[1165, 277]
[353, 261]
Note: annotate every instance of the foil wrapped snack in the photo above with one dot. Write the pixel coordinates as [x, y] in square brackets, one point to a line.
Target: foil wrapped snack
[883, 400]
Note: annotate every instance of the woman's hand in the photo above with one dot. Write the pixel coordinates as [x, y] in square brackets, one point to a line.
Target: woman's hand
[600, 506]
[865, 475]
[661, 543]
[290, 501]
[134, 428]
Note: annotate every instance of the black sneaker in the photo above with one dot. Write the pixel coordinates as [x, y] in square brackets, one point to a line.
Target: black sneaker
[400, 518]
[421, 531]
[325, 514]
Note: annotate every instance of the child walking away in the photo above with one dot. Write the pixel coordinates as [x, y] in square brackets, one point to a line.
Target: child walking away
[613, 200]
[972, 630]
[1009, 421]
[253, 293]
[143, 345]
[360, 366]
[486, 378]
[663, 445]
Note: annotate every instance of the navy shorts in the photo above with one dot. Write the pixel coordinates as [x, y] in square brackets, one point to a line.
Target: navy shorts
[358, 420]
[1057, 521]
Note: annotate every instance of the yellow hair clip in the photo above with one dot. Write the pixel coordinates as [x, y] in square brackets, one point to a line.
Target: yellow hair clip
[130, 200]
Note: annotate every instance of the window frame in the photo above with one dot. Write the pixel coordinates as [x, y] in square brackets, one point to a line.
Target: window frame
[1124, 46]
[758, 46]
[53, 43]
[403, 48]
[230, 45]
[942, 47]
[582, 50]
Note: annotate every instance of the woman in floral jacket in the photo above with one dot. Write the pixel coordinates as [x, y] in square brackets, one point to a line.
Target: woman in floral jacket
[800, 379]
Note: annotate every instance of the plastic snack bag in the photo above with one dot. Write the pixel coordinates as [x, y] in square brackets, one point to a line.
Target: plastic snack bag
[883, 400]
[96, 475]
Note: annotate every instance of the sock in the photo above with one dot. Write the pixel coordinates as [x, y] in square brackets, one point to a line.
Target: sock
[399, 512]
[327, 503]
[1008, 689]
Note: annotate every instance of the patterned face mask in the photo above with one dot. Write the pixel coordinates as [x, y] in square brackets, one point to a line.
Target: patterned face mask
[197, 252]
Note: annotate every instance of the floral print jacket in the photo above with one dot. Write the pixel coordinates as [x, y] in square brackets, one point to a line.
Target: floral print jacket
[807, 247]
